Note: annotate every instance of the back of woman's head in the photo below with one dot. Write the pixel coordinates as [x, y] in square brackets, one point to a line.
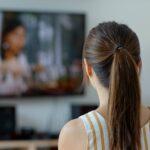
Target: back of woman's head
[113, 51]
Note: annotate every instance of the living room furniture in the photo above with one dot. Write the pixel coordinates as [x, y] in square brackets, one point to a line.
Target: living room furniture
[29, 144]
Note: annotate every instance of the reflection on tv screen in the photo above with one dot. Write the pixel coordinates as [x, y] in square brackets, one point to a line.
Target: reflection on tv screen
[41, 54]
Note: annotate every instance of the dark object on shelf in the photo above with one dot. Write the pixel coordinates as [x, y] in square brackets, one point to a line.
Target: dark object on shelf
[31, 134]
[54, 136]
[53, 148]
[7, 119]
[78, 110]
[27, 134]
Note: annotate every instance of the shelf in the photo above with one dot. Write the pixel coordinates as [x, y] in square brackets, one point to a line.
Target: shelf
[28, 144]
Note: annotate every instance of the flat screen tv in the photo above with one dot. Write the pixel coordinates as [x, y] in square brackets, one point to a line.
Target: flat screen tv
[41, 53]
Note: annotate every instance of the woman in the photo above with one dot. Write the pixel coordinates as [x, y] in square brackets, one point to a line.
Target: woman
[14, 67]
[113, 64]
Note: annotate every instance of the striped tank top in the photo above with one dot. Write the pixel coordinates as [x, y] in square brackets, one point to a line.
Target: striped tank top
[97, 132]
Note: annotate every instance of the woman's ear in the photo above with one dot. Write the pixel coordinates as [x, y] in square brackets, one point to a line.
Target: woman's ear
[140, 67]
[88, 68]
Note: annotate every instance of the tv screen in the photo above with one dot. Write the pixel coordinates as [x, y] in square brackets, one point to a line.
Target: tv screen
[41, 54]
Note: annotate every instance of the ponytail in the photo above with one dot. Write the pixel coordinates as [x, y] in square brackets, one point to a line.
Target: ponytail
[124, 102]
[117, 70]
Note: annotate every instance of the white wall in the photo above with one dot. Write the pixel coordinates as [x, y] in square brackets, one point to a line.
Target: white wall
[135, 13]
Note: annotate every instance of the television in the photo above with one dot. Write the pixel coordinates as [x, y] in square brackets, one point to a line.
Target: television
[41, 53]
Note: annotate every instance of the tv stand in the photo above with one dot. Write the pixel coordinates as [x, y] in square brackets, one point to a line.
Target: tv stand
[29, 144]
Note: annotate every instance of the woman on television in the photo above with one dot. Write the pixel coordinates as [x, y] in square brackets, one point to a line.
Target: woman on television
[14, 67]
[112, 62]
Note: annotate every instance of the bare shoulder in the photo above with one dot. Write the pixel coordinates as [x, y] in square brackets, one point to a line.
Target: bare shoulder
[145, 115]
[73, 136]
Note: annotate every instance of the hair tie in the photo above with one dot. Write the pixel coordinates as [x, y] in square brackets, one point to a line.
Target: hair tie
[119, 47]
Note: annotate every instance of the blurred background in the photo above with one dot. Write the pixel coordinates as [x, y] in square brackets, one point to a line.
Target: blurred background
[50, 90]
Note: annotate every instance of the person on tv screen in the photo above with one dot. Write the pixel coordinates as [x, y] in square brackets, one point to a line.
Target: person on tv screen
[14, 67]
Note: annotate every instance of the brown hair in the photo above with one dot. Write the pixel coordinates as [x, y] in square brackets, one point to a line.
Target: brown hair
[113, 51]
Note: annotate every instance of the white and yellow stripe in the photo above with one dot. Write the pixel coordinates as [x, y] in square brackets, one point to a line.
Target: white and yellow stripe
[97, 132]
[146, 136]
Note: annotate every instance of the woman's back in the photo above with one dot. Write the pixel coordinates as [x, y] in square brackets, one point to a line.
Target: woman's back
[90, 132]
[98, 134]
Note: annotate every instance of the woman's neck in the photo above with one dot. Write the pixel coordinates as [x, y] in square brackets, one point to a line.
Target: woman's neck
[103, 95]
